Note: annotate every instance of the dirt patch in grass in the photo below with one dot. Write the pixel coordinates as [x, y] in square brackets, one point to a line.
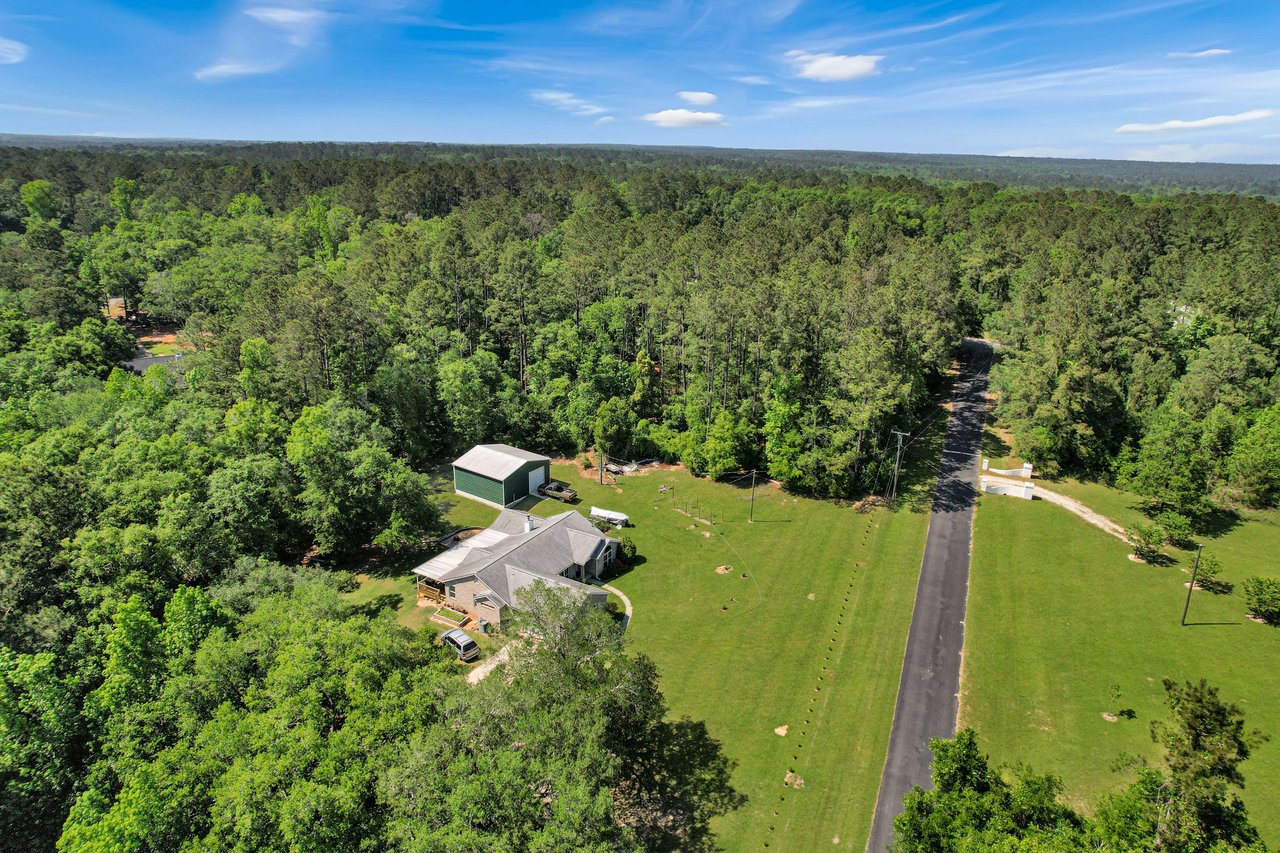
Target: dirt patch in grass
[793, 780]
[781, 731]
[723, 570]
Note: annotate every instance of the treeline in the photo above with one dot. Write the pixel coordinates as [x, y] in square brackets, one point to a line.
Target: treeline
[621, 161]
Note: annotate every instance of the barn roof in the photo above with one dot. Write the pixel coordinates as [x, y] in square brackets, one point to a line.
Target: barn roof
[496, 461]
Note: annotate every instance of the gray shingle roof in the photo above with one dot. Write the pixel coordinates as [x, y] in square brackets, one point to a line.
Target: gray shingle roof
[496, 461]
[521, 557]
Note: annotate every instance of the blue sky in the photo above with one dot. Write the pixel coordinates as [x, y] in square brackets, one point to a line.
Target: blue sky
[1132, 79]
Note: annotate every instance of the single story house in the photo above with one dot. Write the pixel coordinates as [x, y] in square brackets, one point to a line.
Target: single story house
[499, 474]
[484, 573]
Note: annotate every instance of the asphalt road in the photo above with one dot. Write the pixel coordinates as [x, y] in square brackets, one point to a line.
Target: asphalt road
[927, 693]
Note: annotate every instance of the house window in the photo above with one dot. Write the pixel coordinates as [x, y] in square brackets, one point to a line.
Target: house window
[451, 589]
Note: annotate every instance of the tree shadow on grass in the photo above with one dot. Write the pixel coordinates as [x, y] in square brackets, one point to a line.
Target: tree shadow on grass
[993, 445]
[683, 776]
[379, 603]
[1217, 522]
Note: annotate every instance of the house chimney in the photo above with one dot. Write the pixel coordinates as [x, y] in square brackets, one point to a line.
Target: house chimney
[528, 523]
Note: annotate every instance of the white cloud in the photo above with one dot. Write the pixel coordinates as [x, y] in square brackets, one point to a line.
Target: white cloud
[300, 26]
[1194, 124]
[684, 118]
[833, 67]
[224, 70]
[753, 80]
[46, 111]
[821, 103]
[605, 120]
[1049, 151]
[261, 39]
[567, 101]
[1198, 54]
[702, 99]
[12, 52]
[1207, 153]
[783, 108]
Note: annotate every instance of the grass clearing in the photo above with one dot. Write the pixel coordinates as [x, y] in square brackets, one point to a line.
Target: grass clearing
[1057, 614]
[811, 638]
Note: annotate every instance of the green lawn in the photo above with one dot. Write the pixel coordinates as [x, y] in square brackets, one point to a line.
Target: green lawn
[1057, 613]
[1247, 543]
[395, 591]
[812, 638]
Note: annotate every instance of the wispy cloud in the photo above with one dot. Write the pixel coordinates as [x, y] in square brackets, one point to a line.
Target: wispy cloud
[753, 80]
[1196, 124]
[1206, 153]
[833, 67]
[684, 118]
[224, 70]
[1048, 151]
[299, 27]
[46, 111]
[702, 99]
[12, 52]
[567, 101]
[605, 120]
[1198, 54]
[262, 39]
[783, 108]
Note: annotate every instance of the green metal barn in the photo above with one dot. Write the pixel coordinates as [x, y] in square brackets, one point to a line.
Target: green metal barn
[499, 474]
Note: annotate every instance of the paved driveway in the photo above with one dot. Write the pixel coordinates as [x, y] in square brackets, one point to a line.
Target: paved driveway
[927, 693]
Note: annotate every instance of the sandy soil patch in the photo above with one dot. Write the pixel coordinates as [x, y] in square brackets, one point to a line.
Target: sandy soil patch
[792, 780]
[781, 731]
[723, 570]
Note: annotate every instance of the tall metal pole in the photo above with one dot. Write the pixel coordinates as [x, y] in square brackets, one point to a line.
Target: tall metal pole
[1191, 588]
[897, 460]
[751, 514]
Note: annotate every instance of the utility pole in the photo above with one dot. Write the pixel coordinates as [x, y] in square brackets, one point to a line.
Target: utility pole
[897, 461]
[601, 460]
[751, 514]
[1192, 587]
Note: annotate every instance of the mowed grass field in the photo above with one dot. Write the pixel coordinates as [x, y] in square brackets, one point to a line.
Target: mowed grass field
[1058, 613]
[811, 638]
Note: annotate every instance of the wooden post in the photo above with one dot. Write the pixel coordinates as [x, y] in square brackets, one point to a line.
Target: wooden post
[1192, 587]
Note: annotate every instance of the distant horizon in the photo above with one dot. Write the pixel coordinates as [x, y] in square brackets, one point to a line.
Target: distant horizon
[674, 146]
[1153, 80]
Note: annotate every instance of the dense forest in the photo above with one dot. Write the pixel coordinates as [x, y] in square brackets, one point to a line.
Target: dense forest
[171, 669]
[618, 161]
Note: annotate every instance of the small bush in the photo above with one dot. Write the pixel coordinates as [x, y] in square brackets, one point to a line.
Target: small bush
[1207, 575]
[1176, 527]
[1262, 596]
[584, 460]
[1146, 540]
[626, 547]
[601, 525]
